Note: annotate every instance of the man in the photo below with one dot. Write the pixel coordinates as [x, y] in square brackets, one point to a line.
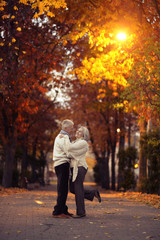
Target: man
[61, 164]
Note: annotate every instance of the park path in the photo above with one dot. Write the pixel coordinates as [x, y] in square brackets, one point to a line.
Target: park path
[27, 216]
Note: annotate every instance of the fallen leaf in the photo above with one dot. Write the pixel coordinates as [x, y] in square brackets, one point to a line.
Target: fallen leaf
[136, 216]
[150, 199]
[39, 202]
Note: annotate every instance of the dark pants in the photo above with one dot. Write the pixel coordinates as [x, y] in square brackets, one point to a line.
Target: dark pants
[79, 191]
[62, 173]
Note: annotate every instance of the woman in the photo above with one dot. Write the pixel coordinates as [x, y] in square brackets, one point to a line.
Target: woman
[77, 151]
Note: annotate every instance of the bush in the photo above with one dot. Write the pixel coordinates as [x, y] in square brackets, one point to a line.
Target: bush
[151, 145]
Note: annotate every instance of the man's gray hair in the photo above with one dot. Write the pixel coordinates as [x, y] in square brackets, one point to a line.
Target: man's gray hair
[67, 123]
[85, 133]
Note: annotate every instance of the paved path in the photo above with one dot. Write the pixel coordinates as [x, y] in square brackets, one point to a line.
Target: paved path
[27, 216]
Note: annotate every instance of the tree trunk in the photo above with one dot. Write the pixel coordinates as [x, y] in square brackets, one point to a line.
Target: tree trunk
[9, 150]
[142, 157]
[104, 173]
[34, 161]
[121, 146]
[24, 164]
[113, 143]
[9, 140]
[129, 131]
[113, 168]
[107, 168]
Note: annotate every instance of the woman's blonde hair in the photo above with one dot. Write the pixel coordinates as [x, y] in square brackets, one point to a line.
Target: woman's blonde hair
[85, 133]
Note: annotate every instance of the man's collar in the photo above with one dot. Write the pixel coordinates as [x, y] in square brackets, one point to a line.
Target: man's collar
[65, 133]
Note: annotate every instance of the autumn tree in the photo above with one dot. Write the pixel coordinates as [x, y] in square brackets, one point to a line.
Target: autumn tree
[114, 61]
[27, 50]
[36, 34]
[104, 60]
[94, 105]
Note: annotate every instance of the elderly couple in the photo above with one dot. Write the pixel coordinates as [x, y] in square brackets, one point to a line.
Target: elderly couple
[70, 157]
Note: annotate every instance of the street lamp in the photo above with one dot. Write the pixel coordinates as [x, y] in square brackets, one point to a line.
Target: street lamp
[121, 36]
[118, 130]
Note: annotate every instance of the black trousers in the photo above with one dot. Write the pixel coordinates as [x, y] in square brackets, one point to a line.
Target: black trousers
[62, 172]
[77, 188]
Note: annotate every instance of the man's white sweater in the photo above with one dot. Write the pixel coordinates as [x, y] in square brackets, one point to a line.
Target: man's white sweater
[59, 155]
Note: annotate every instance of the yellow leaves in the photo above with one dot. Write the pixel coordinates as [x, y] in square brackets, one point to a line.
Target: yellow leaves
[137, 217]
[15, 8]
[12, 17]
[13, 40]
[114, 66]
[44, 5]
[8, 191]
[115, 94]
[19, 29]
[2, 4]
[157, 218]
[1, 59]
[23, 1]
[50, 14]
[36, 15]
[5, 16]
[39, 202]
[102, 93]
[118, 105]
[149, 237]
[64, 42]
[151, 199]
[1, 44]
[107, 235]
[59, 4]
[101, 40]
[100, 49]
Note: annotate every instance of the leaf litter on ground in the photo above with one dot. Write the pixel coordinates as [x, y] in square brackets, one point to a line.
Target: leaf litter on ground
[150, 199]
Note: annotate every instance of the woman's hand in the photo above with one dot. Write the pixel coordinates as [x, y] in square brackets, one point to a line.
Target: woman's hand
[61, 136]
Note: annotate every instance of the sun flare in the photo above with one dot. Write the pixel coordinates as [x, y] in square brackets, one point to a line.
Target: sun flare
[121, 36]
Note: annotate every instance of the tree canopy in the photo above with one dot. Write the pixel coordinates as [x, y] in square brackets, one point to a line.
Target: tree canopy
[41, 41]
